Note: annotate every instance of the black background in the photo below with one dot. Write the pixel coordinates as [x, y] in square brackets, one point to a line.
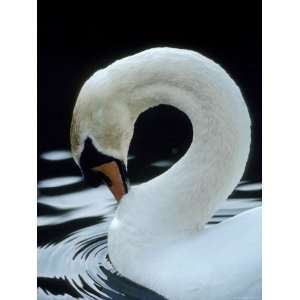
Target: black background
[76, 40]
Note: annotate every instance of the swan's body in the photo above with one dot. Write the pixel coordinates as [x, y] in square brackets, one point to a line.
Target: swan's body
[156, 237]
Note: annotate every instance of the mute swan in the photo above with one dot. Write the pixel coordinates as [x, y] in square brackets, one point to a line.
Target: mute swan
[157, 237]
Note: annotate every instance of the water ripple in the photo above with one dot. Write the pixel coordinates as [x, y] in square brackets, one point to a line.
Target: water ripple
[73, 261]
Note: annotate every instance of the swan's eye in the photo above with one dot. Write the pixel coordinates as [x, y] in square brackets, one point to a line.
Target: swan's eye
[98, 168]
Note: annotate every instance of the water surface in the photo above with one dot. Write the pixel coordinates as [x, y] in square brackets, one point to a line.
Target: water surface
[73, 220]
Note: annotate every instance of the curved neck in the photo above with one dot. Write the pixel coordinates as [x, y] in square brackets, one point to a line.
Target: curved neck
[182, 199]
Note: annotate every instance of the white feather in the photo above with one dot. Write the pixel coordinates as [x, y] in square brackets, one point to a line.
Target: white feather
[156, 238]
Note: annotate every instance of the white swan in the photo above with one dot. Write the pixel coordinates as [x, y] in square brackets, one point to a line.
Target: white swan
[156, 238]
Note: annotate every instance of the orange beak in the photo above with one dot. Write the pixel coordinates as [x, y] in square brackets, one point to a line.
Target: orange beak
[115, 182]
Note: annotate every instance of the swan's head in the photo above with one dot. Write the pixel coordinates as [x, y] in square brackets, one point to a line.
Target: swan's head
[101, 132]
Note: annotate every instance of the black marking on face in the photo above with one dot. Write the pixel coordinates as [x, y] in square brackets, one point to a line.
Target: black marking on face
[90, 158]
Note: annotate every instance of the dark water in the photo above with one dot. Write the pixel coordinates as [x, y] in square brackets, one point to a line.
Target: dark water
[73, 260]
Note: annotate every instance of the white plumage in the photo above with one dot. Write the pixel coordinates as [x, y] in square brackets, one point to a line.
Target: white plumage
[156, 237]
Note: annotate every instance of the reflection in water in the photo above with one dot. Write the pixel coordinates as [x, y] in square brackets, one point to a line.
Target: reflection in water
[250, 187]
[73, 220]
[57, 182]
[56, 155]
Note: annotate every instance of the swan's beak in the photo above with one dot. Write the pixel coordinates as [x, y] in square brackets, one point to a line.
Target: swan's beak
[115, 177]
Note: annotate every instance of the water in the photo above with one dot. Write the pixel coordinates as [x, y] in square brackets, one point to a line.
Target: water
[73, 260]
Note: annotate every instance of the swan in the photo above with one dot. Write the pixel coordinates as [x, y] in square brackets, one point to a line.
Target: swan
[157, 236]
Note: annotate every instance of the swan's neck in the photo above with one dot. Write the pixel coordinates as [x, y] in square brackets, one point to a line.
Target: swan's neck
[182, 199]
